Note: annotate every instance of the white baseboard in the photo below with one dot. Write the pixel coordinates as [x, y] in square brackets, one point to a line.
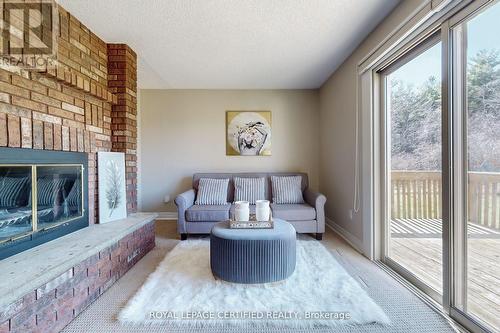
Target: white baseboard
[166, 216]
[355, 242]
[352, 240]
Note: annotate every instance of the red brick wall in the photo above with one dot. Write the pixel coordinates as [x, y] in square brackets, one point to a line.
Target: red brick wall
[52, 306]
[122, 80]
[72, 106]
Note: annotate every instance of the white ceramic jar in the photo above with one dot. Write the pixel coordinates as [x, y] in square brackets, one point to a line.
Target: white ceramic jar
[262, 210]
[241, 210]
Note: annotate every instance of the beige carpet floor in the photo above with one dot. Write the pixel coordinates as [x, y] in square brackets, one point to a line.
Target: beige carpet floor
[406, 311]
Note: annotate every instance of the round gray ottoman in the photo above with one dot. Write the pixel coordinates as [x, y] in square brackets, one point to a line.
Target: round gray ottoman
[253, 255]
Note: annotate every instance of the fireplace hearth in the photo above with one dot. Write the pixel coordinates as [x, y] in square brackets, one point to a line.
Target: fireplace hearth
[43, 195]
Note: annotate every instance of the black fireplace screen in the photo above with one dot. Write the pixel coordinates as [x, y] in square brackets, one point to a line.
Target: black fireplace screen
[40, 199]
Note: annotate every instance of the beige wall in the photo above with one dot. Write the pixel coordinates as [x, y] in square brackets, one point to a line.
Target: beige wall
[183, 132]
[337, 128]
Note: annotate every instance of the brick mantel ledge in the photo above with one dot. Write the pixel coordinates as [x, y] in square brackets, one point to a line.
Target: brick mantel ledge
[45, 287]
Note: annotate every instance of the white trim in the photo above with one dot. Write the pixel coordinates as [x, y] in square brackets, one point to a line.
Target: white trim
[366, 151]
[166, 216]
[422, 18]
[352, 240]
[139, 152]
[366, 63]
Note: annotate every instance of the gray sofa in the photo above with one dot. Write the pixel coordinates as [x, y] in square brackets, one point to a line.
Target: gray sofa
[199, 219]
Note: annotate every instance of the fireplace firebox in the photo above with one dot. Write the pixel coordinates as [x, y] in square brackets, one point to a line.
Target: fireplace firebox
[43, 195]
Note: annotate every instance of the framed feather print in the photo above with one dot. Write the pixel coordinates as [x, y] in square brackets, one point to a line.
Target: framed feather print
[112, 194]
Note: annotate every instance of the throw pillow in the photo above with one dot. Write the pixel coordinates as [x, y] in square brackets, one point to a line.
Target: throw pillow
[249, 189]
[212, 191]
[287, 189]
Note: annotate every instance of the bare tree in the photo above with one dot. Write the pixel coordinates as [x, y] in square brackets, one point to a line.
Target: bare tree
[416, 119]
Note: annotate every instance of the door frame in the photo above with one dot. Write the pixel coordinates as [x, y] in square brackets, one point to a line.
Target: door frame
[424, 43]
[453, 170]
[456, 204]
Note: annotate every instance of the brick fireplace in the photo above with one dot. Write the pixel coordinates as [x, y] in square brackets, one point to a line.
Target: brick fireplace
[86, 103]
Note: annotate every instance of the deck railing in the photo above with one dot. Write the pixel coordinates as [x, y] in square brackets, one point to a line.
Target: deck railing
[417, 194]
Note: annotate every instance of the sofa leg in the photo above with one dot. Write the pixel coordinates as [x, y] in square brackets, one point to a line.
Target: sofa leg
[184, 237]
[319, 236]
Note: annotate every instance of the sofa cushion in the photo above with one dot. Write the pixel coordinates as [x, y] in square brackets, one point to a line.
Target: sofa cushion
[249, 189]
[207, 213]
[212, 191]
[293, 212]
[287, 189]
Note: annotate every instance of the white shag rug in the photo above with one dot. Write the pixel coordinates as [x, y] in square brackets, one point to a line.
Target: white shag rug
[182, 292]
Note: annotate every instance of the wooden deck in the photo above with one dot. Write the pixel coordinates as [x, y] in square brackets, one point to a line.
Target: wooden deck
[416, 244]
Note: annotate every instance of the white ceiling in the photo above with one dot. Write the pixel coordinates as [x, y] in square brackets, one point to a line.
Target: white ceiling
[228, 44]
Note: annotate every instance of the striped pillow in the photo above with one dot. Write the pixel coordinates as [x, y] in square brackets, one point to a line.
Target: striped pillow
[287, 190]
[212, 191]
[10, 190]
[249, 189]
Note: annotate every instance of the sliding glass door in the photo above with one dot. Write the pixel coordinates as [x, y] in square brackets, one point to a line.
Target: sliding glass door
[413, 219]
[475, 36]
[440, 163]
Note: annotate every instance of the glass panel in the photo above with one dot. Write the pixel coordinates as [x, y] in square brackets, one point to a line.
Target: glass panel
[414, 184]
[15, 201]
[59, 194]
[479, 42]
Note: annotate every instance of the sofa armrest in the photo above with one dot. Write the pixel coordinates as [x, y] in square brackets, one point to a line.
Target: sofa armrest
[183, 201]
[317, 200]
